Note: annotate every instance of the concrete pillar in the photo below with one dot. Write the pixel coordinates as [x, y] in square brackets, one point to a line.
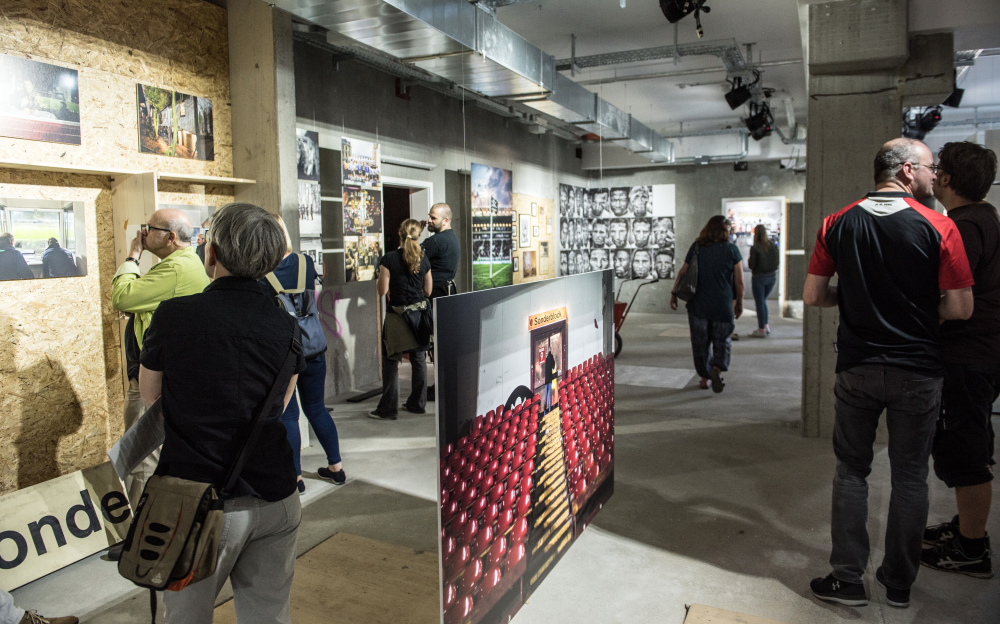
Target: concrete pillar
[262, 89]
[863, 69]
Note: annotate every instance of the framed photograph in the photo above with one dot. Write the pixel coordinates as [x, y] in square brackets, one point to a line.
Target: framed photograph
[517, 267]
[525, 230]
[534, 209]
[548, 226]
[513, 243]
[40, 101]
[175, 124]
[534, 231]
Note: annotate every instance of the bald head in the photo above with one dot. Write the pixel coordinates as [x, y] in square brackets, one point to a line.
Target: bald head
[439, 218]
[894, 154]
[177, 221]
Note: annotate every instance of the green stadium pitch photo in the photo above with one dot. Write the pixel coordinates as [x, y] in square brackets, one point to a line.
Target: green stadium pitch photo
[492, 275]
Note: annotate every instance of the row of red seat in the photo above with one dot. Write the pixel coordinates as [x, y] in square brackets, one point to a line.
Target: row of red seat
[587, 408]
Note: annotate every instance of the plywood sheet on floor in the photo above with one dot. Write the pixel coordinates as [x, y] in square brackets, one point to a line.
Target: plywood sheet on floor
[355, 580]
[700, 614]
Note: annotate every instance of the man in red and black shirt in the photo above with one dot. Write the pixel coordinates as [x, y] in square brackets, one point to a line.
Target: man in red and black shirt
[902, 269]
[963, 444]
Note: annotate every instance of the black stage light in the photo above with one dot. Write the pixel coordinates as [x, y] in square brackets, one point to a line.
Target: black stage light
[676, 10]
[738, 95]
[955, 99]
[760, 123]
[918, 126]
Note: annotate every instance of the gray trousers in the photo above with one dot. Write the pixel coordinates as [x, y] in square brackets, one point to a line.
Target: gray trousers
[9, 614]
[136, 480]
[258, 554]
[911, 401]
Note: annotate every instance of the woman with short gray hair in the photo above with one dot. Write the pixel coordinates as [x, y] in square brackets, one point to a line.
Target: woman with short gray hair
[209, 396]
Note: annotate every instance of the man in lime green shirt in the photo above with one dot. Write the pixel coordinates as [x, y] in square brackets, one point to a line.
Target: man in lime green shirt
[180, 272]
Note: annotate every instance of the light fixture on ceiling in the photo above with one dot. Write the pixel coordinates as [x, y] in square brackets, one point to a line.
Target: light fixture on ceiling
[917, 123]
[676, 10]
[740, 92]
[760, 123]
[955, 99]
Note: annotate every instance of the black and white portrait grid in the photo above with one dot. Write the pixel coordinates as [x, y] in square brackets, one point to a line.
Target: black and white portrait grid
[626, 228]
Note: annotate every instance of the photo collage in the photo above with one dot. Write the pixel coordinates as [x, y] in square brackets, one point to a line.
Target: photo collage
[361, 175]
[628, 229]
[310, 204]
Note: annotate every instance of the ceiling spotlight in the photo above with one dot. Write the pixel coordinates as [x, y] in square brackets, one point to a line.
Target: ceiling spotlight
[740, 92]
[675, 10]
[955, 99]
[760, 123]
[916, 124]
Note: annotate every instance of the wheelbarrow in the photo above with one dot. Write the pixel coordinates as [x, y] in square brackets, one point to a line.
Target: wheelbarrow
[622, 309]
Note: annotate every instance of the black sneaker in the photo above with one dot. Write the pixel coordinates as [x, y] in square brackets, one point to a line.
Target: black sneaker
[377, 415]
[950, 557]
[833, 590]
[940, 533]
[894, 597]
[338, 478]
[716, 377]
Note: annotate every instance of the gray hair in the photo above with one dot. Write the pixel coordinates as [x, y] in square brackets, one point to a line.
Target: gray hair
[181, 227]
[7, 237]
[893, 155]
[248, 240]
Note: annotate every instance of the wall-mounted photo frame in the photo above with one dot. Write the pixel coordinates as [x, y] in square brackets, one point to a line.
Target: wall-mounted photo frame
[516, 265]
[534, 209]
[42, 238]
[40, 101]
[535, 231]
[175, 124]
[548, 225]
[525, 225]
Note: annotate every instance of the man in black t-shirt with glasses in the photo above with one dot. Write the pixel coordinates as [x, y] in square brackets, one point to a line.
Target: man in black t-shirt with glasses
[902, 268]
[963, 443]
[443, 251]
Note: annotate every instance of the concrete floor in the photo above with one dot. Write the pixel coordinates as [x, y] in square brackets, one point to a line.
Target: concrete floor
[718, 500]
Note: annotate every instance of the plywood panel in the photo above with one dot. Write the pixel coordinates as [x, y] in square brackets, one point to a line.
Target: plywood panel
[700, 614]
[356, 580]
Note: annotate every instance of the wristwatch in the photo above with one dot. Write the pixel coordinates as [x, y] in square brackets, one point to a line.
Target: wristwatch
[135, 260]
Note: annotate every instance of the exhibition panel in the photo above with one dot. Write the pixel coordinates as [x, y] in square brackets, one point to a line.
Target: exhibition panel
[519, 481]
[492, 227]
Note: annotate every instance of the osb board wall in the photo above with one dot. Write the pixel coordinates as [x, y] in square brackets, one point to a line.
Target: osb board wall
[60, 402]
[60, 356]
[115, 44]
[545, 210]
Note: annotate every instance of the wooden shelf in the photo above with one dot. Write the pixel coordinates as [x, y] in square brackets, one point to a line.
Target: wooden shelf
[82, 169]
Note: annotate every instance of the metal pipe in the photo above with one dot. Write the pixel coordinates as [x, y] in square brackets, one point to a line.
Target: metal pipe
[684, 72]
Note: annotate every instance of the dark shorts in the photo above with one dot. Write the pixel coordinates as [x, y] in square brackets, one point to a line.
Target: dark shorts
[963, 443]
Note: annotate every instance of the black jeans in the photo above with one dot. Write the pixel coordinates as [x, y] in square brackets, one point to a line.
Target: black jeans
[389, 404]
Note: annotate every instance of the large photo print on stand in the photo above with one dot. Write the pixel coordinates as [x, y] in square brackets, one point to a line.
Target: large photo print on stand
[526, 435]
[492, 227]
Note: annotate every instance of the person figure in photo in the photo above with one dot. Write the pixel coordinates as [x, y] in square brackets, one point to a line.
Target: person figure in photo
[582, 234]
[578, 195]
[57, 261]
[12, 614]
[599, 234]
[311, 383]
[640, 232]
[642, 264]
[663, 232]
[179, 273]
[574, 267]
[638, 201]
[717, 303]
[902, 270]
[565, 234]
[551, 374]
[13, 266]
[209, 396]
[405, 279]
[964, 439]
[564, 263]
[765, 257]
[619, 201]
[600, 198]
[623, 264]
[663, 264]
[564, 193]
[618, 230]
[599, 260]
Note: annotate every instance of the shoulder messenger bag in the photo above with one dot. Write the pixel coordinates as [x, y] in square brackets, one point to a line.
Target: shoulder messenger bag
[176, 529]
[688, 283]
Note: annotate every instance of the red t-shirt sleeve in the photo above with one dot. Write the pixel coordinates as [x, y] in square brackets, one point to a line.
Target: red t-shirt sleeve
[954, 272]
[821, 262]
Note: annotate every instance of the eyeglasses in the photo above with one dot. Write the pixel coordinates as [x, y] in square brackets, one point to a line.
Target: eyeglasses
[145, 227]
[933, 168]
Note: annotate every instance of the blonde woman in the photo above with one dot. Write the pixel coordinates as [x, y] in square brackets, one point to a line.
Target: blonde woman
[405, 278]
[764, 261]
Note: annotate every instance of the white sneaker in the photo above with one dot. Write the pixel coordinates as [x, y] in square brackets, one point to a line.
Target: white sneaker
[759, 333]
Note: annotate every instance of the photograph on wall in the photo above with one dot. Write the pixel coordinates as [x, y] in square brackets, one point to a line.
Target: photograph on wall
[42, 238]
[492, 227]
[529, 268]
[175, 124]
[39, 101]
[307, 149]
[524, 229]
[526, 442]
[603, 228]
[313, 247]
[362, 211]
[361, 163]
[310, 210]
[361, 257]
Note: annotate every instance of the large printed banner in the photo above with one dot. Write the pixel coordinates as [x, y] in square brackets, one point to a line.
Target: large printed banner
[629, 229]
[48, 526]
[310, 202]
[526, 435]
[492, 227]
[361, 175]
